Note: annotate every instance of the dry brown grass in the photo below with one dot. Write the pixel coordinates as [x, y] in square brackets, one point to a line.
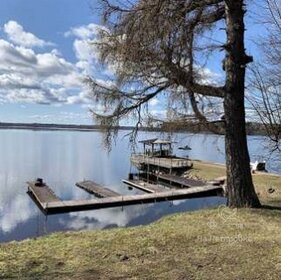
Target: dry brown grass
[262, 181]
[210, 244]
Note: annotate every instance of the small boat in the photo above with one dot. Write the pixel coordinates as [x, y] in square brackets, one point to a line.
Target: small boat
[186, 148]
[258, 166]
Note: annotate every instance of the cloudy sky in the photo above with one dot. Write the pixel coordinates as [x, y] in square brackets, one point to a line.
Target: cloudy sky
[44, 54]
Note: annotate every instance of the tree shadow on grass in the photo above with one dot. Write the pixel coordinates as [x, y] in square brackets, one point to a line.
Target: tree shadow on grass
[271, 207]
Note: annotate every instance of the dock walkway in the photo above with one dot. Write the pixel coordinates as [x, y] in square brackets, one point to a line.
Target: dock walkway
[96, 189]
[144, 186]
[118, 201]
[181, 181]
[51, 204]
[42, 194]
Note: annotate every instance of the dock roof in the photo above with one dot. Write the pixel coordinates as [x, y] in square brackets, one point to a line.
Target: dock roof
[155, 141]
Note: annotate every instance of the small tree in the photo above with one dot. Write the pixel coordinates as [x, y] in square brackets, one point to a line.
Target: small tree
[156, 47]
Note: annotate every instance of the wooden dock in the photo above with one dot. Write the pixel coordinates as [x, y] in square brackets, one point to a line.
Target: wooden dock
[96, 189]
[166, 162]
[144, 186]
[42, 194]
[51, 204]
[173, 180]
[180, 181]
[118, 201]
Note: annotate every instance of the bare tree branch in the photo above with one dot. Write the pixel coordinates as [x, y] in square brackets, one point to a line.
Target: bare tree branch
[266, 77]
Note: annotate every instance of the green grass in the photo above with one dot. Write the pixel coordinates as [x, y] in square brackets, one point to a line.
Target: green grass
[212, 244]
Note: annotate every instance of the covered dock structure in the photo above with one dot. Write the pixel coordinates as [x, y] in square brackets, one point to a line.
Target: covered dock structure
[158, 157]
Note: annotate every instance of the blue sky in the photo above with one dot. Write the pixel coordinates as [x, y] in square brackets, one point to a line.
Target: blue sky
[44, 53]
[48, 21]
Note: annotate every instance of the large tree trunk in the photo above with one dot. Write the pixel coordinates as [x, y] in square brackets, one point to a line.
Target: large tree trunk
[241, 192]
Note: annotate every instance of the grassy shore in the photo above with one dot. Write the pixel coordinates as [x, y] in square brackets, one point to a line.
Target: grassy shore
[214, 244]
[262, 181]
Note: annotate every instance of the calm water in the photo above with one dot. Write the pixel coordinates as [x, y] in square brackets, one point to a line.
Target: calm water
[63, 158]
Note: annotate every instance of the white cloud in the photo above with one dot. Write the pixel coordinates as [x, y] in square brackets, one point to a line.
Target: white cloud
[83, 50]
[82, 98]
[208, 77]
[29, 76]
[154, 102]
[159, 114]
[85, 31]
[86, 55]
[14, 81]
[19, 36]
[62, 117]
[83, 46]
[18, 59]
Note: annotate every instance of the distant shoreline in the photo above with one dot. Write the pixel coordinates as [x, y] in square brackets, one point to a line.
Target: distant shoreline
[252, 128]
[67, 127]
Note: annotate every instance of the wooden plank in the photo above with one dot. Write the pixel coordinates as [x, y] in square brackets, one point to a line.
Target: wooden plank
[217, 181]
[96, 189]
[221, 179]
[43, 194]
[161, 161]
[181, 181]
[144, 186]
[117, 201]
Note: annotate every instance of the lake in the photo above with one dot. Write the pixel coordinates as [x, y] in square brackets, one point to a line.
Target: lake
[63, 158]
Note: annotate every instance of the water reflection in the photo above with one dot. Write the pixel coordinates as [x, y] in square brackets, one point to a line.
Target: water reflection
[64, 158]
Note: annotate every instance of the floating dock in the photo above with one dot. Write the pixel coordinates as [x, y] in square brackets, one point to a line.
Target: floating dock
[42, 194]
[180, 181]
[144, 186]
[161, 162]
[158, 157]
[96, 189]
[51, 204]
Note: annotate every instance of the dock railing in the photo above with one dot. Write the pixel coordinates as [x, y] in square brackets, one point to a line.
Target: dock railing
[169, 162]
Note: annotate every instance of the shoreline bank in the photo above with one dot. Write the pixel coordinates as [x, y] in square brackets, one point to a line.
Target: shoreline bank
[85, 127]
